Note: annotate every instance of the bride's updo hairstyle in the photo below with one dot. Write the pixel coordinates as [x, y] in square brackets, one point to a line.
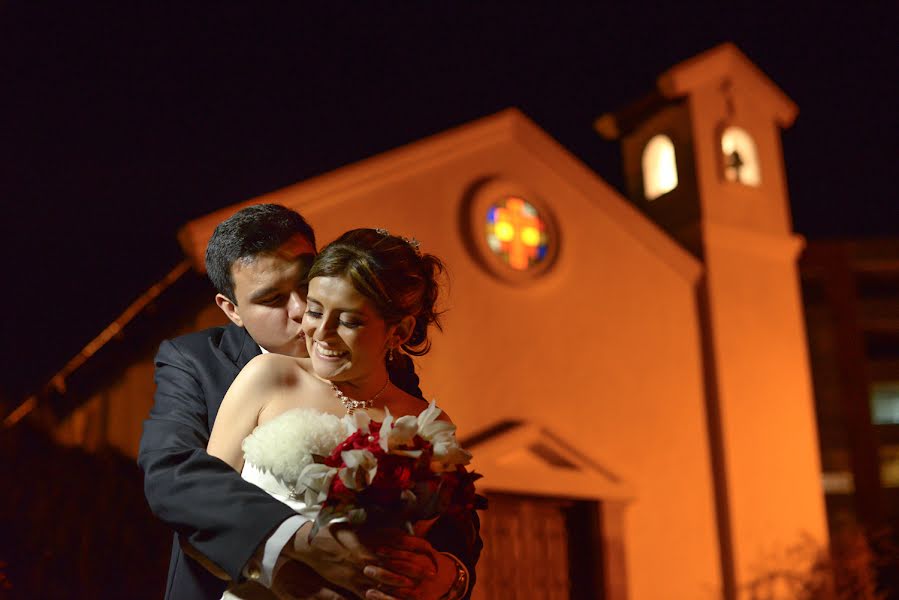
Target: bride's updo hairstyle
[392, 273]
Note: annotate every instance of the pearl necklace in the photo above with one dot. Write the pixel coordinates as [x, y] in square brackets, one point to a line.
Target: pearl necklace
[351, 404]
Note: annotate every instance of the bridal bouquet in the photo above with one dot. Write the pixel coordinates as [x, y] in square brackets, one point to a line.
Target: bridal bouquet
[394, 473]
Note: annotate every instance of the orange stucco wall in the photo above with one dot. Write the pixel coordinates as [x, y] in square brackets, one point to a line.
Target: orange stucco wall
[767, 411]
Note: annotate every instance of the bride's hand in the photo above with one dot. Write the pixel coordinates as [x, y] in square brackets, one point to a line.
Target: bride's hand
[428, 574]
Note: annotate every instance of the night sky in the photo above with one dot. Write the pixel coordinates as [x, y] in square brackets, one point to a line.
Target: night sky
[118, 123]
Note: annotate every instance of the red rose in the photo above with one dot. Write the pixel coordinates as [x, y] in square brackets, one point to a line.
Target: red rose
[394, 472]
[338, 492]
[357, 441]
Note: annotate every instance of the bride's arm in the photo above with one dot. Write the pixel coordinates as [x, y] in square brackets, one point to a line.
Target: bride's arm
[239, 412]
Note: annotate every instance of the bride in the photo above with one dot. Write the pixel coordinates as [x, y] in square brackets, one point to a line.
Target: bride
[371, 296]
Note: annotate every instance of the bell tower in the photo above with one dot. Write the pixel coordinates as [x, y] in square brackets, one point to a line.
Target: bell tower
[703, 149]
[702, 159]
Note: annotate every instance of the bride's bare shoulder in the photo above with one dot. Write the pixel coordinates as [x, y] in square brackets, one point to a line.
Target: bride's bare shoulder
[273, 370]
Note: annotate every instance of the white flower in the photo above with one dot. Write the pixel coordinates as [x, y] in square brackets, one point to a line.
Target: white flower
[358, 421]
[361, 468]
[396, 436]
[404, 431]
[451, 456]
[442, 435]
[386, 428]
[428, 416]
[316, 479]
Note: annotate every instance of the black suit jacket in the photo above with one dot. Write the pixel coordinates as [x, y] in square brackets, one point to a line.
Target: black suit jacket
[202, 498]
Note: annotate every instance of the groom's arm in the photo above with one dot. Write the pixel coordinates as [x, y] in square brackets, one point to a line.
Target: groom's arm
[212, 508]
[461, 538]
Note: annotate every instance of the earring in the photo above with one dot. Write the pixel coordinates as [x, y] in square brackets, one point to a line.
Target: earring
[390, 355]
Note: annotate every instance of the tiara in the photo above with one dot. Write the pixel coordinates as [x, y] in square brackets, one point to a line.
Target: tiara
[414, 243]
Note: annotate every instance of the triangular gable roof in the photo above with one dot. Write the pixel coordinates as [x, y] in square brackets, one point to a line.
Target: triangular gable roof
[508, 125]
[525, 458]
[718, 64]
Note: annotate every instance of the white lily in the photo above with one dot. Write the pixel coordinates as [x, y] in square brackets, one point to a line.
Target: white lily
[316, 479]
[403, 432]
[428, 415]
[453, 455]
[358, 462]
[396, 435]
[437, 431]
[358, 421]
[386, 428]
[442, 435]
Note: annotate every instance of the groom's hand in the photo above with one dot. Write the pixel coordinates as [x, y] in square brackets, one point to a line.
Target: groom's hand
[338, 555]
[297, 581]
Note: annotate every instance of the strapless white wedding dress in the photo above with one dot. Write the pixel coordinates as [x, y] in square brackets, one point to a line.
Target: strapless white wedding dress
[275, 454]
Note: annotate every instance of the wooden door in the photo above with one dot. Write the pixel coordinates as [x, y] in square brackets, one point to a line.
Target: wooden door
[537, 547]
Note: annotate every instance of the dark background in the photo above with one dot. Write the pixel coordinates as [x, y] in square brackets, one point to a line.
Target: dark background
[119, 122]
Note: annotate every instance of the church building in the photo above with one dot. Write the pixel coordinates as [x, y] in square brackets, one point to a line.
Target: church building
[630, 373]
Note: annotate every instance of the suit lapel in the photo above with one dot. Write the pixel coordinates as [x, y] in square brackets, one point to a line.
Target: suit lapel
[237, 347]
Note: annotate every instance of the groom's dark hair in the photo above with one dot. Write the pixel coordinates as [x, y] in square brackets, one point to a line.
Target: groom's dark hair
[252, 231]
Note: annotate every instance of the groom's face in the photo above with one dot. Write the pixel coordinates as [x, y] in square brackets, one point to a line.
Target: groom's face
[270, 301]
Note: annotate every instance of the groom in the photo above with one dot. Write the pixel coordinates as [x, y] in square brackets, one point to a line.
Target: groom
[257, 259]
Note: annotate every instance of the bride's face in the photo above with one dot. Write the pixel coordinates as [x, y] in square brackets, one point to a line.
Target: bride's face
[345, 336]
